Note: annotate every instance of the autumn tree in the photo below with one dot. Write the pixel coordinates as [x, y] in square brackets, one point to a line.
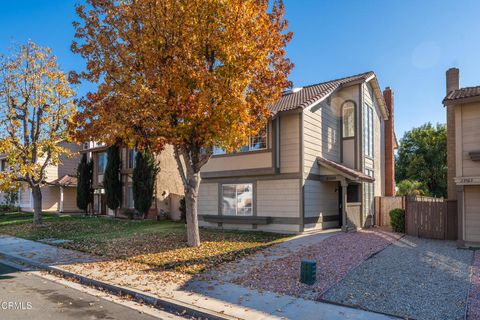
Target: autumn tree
[194, 74]
[36, 102]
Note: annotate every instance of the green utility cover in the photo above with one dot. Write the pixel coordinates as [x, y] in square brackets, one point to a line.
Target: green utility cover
[308, 272]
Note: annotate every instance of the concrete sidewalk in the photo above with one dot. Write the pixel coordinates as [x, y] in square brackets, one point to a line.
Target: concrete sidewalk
[223, 299]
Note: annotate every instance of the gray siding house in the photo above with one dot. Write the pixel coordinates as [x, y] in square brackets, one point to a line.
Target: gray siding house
[318, 164]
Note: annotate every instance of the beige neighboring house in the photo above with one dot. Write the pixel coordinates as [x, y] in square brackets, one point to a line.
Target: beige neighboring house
[59, 193]
[169, 187]
[463, 147]
[321, 158]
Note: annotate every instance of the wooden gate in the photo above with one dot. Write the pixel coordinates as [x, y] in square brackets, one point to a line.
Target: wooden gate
[425, 217]
[431, 218]
[383, 206]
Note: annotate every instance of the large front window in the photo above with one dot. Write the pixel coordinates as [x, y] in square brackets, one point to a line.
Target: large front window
[348, 119]
[237, 199]
[257, 142]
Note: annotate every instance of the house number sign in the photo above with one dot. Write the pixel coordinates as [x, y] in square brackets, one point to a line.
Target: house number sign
[467, 181]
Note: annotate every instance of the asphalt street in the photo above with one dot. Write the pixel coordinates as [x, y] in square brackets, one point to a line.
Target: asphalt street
[27, 296]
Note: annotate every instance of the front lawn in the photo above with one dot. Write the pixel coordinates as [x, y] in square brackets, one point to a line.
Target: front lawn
[161, 245]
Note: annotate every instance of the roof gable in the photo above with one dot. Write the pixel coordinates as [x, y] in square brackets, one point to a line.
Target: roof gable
[457, 96]
[311, 94]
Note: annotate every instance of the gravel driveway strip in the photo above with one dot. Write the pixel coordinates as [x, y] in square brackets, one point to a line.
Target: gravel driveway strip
[335, 257]
[416, 278]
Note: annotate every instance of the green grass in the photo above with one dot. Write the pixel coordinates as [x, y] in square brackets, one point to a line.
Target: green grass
[79, 228]
[159, 244]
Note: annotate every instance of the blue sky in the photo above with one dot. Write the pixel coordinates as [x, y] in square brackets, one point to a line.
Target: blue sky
[409, 44]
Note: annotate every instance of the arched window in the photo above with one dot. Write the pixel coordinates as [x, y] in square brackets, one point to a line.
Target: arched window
[348, 119]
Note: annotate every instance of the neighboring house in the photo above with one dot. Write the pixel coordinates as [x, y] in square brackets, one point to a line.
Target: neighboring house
[463, 156]
[169, 187]
[326, 152]
[59, 192]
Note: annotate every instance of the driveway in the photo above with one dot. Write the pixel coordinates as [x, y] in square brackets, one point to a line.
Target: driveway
[415, 278]
[27, 296]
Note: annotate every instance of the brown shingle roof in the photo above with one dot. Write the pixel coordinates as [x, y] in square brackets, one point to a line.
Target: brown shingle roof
[463, 93]
[309, 94]
[345, 171]
[65, 181]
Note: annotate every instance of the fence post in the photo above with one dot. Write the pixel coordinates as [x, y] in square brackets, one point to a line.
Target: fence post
[404, 204]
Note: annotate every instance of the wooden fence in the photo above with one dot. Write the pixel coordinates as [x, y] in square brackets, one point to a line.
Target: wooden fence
[383, 206]
[425, 217]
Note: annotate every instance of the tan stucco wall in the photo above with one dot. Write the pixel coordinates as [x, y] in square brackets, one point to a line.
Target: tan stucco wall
[321, 135]
[208, 199]
[50, 199]
[70, 200]
[278, 198]
[472, 213]
[240, 161]
[467, 135]
[169, 183]
[290, 143]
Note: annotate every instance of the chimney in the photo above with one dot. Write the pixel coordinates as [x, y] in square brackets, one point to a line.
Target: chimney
[452, 83]
[453, 80]
[389, 144]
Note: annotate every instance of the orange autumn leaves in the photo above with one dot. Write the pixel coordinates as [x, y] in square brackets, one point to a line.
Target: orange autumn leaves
[36, 103]
[190, 73]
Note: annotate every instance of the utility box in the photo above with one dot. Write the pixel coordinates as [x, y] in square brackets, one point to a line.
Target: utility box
[308, 272]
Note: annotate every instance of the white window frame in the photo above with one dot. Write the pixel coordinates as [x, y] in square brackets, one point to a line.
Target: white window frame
[237, 185]
[247, 148]
[104, 154]
[348, 105]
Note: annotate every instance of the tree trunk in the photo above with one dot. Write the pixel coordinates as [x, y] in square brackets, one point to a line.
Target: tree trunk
[191, 196]
[37, 205]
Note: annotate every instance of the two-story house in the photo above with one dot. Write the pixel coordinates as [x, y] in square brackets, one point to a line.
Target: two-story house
[169, 187]
[59, 192]
[318, 164]
[463, 156]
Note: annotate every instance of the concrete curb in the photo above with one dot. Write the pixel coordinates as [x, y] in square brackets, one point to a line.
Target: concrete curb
[166, 304]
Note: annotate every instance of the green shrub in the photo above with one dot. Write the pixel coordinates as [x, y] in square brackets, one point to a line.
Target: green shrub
[397, 220]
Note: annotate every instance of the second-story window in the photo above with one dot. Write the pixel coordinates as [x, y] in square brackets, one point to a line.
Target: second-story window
[3, 165]
[132, 153]
[102, 162]
[348, 119]
[257, 142]
[368, 131]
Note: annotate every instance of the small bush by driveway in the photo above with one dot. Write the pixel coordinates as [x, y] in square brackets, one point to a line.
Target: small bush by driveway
[417, 278]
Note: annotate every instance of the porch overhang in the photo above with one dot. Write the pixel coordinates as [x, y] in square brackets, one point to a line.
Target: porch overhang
[340, 172]
[65, 181]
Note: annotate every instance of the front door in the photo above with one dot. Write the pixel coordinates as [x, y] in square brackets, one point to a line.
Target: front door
[103, 204]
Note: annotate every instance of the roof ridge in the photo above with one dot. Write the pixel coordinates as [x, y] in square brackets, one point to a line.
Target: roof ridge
[339, 79]
[464, 88]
